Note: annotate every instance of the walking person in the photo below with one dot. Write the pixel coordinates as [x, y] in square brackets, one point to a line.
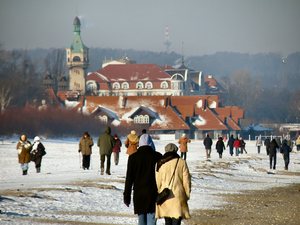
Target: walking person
[243, 146]
[273, 154]
[230, 144]
[237, 145]
[183, 145]
[23, 147]
[298, 143]
[267, 145]
[85, 147]
[172, 172]
[285, 150]
[132, 142]
[105, 143]
[207, 143]
[37, 152]
[117, 149]
[220, 146]
[140, 177]
[258, 144]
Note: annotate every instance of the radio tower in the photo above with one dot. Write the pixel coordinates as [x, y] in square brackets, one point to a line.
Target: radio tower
[167, 41]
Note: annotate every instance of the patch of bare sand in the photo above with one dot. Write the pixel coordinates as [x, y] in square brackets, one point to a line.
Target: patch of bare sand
[276, 206]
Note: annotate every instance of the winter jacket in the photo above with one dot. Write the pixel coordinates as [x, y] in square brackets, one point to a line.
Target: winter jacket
[285, 149]
[273, 147]
[220, 146]
[37, 151]
[140, 177]
[207, 142]
[237, 143]
[183, 141]
[177, 205]
[85, 145]
[106, 142]
[230, 142]
[117, 146]
[132, 143]
[24, 148]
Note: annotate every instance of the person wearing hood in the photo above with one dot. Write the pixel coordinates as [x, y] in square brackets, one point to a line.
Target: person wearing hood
[132, 142]
[23, 147]
[106, 143]
[148, 138]
[140, 177]
[172, 172]
[37, 152]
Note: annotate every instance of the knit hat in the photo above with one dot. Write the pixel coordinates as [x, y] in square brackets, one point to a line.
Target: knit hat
[171, 148]
[37, 138]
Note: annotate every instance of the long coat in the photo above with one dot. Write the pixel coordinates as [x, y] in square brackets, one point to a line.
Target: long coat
[85, 145]
[106, 142]
[183, 141]
[24, 148]
[177, 206]
[141, 176]
[132, 143]
[220, 146]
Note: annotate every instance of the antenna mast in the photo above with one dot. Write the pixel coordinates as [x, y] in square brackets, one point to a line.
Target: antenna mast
[167, 41]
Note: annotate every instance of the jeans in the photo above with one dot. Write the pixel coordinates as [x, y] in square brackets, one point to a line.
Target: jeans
[172, 221]
[237, 151]
[231, 150]
[147, 219]
[272, 158]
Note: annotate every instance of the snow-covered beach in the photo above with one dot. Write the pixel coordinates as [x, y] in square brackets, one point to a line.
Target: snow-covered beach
[64, 193]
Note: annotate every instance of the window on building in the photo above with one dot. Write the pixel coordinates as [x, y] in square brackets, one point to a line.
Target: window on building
[116, 85]
[139, 85]
[148, 85]
[103, 118]
[141, 119]
[125, 85]
[76, 59]
[164, 85]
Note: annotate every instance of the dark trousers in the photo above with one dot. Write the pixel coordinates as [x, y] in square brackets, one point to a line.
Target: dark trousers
[183, 155]
[273, 158]
[231, 150]
[172, 221]
[102, 158]
[86, 161]
[286, 158]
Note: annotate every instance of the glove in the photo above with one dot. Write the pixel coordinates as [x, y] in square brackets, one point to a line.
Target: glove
[79, 150]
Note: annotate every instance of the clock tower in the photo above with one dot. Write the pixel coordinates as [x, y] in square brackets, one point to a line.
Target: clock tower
[77, 60]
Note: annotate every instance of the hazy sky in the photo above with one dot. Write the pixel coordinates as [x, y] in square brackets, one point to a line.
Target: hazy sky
[203, 26]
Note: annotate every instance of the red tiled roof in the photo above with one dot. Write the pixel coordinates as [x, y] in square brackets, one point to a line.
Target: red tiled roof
[210, 121]
[129, 72]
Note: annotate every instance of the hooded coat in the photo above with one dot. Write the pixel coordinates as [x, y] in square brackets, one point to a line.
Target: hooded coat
[175, 206]
[106, 142]
[140, 177]
[85, 145]
[183, 141]
[131, 143]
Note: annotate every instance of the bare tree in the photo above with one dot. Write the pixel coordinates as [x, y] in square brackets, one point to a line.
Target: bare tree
[5, 98]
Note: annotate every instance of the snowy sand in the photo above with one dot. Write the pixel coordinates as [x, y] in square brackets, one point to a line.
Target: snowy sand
[63, 193]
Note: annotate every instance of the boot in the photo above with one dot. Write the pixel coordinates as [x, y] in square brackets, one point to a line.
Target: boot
[108, 172]
[38, 170]
[24, 172]
[102, 170]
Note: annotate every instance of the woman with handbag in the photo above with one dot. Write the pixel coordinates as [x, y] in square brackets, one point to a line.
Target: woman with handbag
[172, 172]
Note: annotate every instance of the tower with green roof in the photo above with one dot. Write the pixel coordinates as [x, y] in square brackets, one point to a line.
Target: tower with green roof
[77, 60]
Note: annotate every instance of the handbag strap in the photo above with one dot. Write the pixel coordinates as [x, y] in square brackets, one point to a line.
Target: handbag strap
[173, 173]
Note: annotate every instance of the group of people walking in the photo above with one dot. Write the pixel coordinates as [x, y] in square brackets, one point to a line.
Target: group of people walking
[30, 152]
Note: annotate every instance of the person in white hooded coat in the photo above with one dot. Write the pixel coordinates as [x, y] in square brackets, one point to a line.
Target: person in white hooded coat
[37, 152]
[175, 208]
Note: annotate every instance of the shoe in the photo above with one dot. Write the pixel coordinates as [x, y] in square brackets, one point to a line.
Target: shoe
[108, 173]
[24, 172]
[38, 170]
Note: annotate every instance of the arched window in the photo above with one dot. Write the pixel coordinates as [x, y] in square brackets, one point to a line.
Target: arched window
[139, 85]
[125, 85]
[76, 59]
[146, 119]
[164, 85]
[116, 85]
[148, 85]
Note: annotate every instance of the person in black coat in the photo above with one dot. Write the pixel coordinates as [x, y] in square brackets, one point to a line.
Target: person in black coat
[230, 144]
[141, 176]
[207, 142]
[267, 145]
[285, 150]
[273, 153]
[220, 146]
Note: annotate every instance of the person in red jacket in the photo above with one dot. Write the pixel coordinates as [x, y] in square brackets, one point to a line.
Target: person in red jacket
[237, 145]
[117, 149]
